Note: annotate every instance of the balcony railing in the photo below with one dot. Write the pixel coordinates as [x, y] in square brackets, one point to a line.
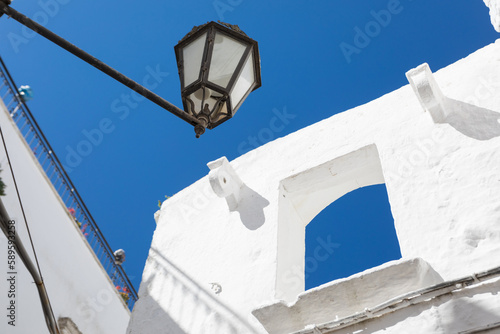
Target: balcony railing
[54, 170]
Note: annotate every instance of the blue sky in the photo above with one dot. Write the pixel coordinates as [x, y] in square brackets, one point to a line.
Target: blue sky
[318, 58]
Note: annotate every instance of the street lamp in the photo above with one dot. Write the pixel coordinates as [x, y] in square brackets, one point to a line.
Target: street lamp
[219, 65]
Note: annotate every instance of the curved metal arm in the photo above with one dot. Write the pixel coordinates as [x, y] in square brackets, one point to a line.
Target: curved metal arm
[5, 8]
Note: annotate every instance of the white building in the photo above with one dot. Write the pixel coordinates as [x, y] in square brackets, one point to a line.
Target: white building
[74, 258]
[225, 252]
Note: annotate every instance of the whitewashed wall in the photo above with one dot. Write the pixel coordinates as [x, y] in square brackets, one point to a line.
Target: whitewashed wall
[443, 182]
[77, 285]
[494, 6]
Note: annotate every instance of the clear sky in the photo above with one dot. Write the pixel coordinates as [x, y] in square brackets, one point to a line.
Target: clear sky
[318, 58]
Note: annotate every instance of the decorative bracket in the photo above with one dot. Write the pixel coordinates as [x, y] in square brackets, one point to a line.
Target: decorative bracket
[225, 182]
[428, 93]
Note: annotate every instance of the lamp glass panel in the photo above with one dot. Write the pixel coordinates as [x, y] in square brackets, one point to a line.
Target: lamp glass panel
[226, 55]
[193, 55]
[244, 82]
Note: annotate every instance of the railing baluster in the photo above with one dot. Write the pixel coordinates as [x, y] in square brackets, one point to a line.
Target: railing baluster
[10, 102]
[5, 95]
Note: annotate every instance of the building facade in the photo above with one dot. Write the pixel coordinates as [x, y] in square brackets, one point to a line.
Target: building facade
[228, 252]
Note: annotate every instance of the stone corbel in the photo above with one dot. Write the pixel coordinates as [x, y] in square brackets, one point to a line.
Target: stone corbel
[225, 182]
[428, 92]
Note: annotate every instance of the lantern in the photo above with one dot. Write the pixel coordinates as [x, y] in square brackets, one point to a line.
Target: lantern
[219, 65]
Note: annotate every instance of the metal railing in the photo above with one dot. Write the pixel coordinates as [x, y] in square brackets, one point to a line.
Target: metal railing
[54, 170]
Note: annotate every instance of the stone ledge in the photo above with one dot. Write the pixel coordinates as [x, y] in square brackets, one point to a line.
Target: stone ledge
[347, 296]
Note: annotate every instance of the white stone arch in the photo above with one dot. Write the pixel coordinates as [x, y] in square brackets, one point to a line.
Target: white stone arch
[304, 195]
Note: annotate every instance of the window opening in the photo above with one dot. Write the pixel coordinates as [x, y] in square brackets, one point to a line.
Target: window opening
[354, 233]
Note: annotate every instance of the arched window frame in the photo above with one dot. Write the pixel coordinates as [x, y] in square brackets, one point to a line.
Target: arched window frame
[304, 195]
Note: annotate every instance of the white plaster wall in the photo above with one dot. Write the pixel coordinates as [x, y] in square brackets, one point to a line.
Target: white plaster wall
[443, 183]
[494, 6]
[457, 312]
[77, 285]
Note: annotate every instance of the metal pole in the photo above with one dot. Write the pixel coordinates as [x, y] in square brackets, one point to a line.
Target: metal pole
[23, 254]
[5, 8]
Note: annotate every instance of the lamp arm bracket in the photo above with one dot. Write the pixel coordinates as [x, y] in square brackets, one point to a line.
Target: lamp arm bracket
[41, 30]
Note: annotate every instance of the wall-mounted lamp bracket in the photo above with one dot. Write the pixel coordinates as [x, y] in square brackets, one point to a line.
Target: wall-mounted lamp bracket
[225, 182]
[428, 92]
